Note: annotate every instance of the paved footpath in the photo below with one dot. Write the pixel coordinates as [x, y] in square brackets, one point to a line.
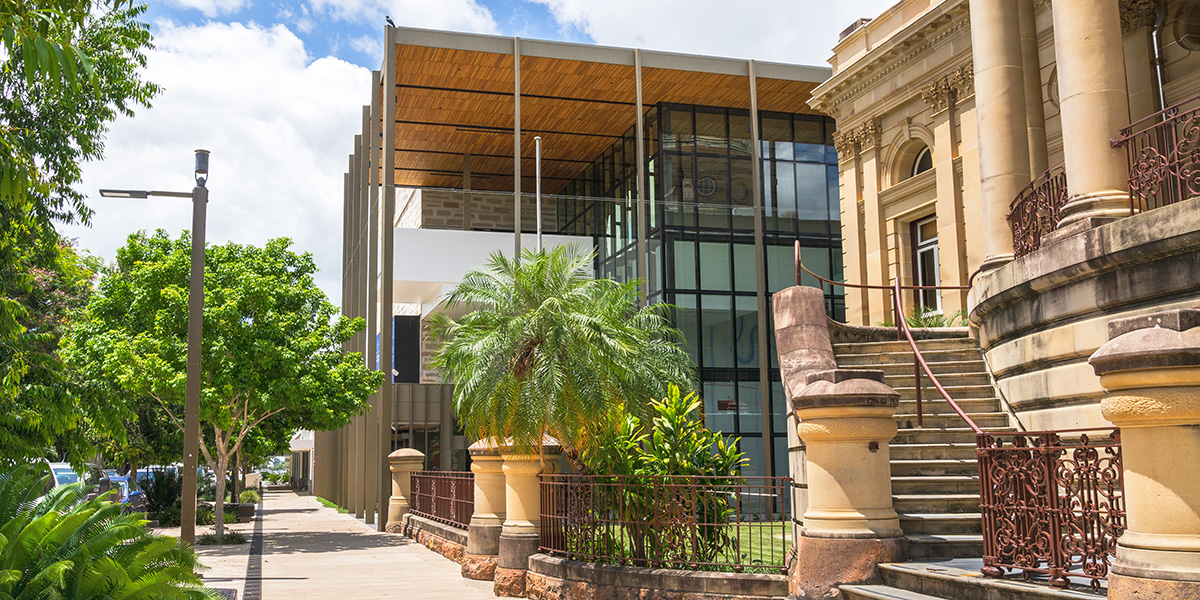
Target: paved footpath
[299, 549]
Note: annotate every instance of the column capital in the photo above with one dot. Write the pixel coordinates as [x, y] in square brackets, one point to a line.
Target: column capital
[1136, 14]
[944, 92]
[862, 137]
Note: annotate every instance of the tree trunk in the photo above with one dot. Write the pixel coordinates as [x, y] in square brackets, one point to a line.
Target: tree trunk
[219, 505]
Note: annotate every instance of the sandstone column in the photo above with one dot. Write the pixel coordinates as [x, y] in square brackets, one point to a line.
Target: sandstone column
[846, 419]
[1001, 117]
[941, 96]
[402, 463]
[853, 245]
[1095, 106]
[483, 534]
[1150, 370]
[521, 534]
[1031, 62]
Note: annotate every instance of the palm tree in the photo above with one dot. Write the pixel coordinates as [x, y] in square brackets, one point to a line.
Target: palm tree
[548, 350]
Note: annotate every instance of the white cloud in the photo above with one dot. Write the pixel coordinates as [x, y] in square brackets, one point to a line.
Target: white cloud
[456, 15]
[212, 8]
[279, 127]
[371, 46]
[793, 31]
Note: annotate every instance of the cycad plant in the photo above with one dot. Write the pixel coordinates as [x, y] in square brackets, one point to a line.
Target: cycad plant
[549, 350]
[63, 546]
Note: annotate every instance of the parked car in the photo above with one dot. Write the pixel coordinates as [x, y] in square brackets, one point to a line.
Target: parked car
[64, 474]
[133, 499]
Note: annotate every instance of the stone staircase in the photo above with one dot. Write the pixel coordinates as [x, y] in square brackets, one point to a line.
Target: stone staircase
[935, 480]
[951, 581]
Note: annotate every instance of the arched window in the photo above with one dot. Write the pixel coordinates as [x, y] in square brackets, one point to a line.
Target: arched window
[1187, 26]
[923, 162]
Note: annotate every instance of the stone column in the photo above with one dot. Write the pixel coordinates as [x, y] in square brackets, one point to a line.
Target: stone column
[402, 463]
[1031, 62]
[483, 534]
[521, 534]
[874, 226]
[846, 419]
[1150, 370]
[855, 267]
[1095, 106]
[1001, 116]
[941, 96]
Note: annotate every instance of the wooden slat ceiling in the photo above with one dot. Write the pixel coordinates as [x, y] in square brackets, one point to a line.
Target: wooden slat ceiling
[451, 102]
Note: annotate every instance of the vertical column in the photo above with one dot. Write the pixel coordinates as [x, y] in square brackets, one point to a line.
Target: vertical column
[383, 403]
[355, 455]
[1031, 63]
[517, 148]
[1095, 106]
[854, 263]
[1003, 127]
[389, 98]
[874, 228]
[371, 453]
[760, 274]
[521, 534]
[952, 252]
[487, 522]
[1150, 370]
[466, 175]
[643, 256]
[402, 463]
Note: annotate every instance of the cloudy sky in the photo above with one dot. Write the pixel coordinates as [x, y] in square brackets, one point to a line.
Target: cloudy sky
[275, 90]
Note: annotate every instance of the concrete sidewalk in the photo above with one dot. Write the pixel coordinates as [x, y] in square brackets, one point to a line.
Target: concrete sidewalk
[303, 550]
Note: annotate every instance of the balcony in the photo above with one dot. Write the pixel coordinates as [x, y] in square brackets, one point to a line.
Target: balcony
[1037, 210]
[1162, 152]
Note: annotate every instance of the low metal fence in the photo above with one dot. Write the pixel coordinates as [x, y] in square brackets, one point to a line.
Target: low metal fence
[444, 496]
[735, 524]
[1162, 153]
[1052, 502]
[1037, 210]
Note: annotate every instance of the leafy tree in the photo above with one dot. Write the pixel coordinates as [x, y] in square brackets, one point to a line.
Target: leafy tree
[69, 67]
[270, 348]
[61, 546]
[549, 350]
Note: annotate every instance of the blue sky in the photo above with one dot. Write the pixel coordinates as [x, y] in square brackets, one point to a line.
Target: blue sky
[275, 90]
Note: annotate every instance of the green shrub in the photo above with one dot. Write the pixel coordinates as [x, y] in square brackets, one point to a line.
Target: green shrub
[211, 539]
[170, 517]
[63, 546]
[248, 497]
[163, 490]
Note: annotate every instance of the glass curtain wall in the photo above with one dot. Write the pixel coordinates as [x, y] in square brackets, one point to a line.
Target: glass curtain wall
[700, 243]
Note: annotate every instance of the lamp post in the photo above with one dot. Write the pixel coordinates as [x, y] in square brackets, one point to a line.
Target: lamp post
[191, 420]
[538, 190]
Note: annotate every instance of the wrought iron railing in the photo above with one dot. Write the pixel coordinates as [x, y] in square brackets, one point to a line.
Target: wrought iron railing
[1162, 152]
[1052, 502]
[444, 496]
[1037, 210]
[735, 524]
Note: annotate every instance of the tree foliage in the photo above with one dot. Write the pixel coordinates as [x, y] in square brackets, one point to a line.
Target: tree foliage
[270, 345]
[69, 67]
[548, 349]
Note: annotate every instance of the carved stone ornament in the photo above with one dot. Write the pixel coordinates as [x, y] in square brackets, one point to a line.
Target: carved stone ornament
[856, 139]
[1136, 14]
[943, 92]
[844, 143]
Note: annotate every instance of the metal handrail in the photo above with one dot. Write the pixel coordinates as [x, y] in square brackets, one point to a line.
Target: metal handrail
[902, 332]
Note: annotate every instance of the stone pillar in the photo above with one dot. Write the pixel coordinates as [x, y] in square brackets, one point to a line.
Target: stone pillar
[1150, 370]
[483, 534]
[846, 419]
[941, 96]
[1031, 62]
[402, 463]
[874, 224]
[1001, 116]
[853, 250]
[1094, 106]
[521, 534]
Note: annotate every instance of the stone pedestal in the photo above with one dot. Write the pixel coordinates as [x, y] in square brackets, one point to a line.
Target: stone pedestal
[483, 533]
[846, 419]
[402, 463]
[1150, 370]
[521, 533]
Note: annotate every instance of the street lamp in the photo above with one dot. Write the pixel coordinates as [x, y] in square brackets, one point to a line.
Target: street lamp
[191, 420]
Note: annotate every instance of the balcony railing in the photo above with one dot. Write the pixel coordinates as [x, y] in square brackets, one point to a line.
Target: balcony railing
[1162, 152]
[444, 496]
[1037, 210]
[1052, 502]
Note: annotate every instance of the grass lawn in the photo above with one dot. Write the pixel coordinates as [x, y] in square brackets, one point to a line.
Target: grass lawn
[328, 504]
[759, 546]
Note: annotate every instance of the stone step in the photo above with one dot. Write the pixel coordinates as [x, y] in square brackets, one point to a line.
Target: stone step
[936, 503]
[919, 546]
[902, 346]
[934, 435]
[939, 368]
[941, 524]
[936, 484]
[934, 450]
[948, 380]
[851, 360]
[950, 582]
[880, 592]
[957, 392]
[952, 420]
[911, 468]
[936, 405]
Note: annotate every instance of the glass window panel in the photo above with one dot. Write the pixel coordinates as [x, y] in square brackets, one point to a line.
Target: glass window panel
[749, 408]
[831, 176]
[651, 122]
[711, 137]
[681, 136]
[745, 311]
[780, 456]
[817, 261]
[784, 189]
[714, 266]
[781, 268]
[812, 207]
[685, 265]
[653, 280]
[810, 140]
[745, 278]
[712, 180]
[752, 447]
[739, 133]
[680, 190]
[719, 406]
[776, 137]
[779, 410]
[717, 330]
[688, 323]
